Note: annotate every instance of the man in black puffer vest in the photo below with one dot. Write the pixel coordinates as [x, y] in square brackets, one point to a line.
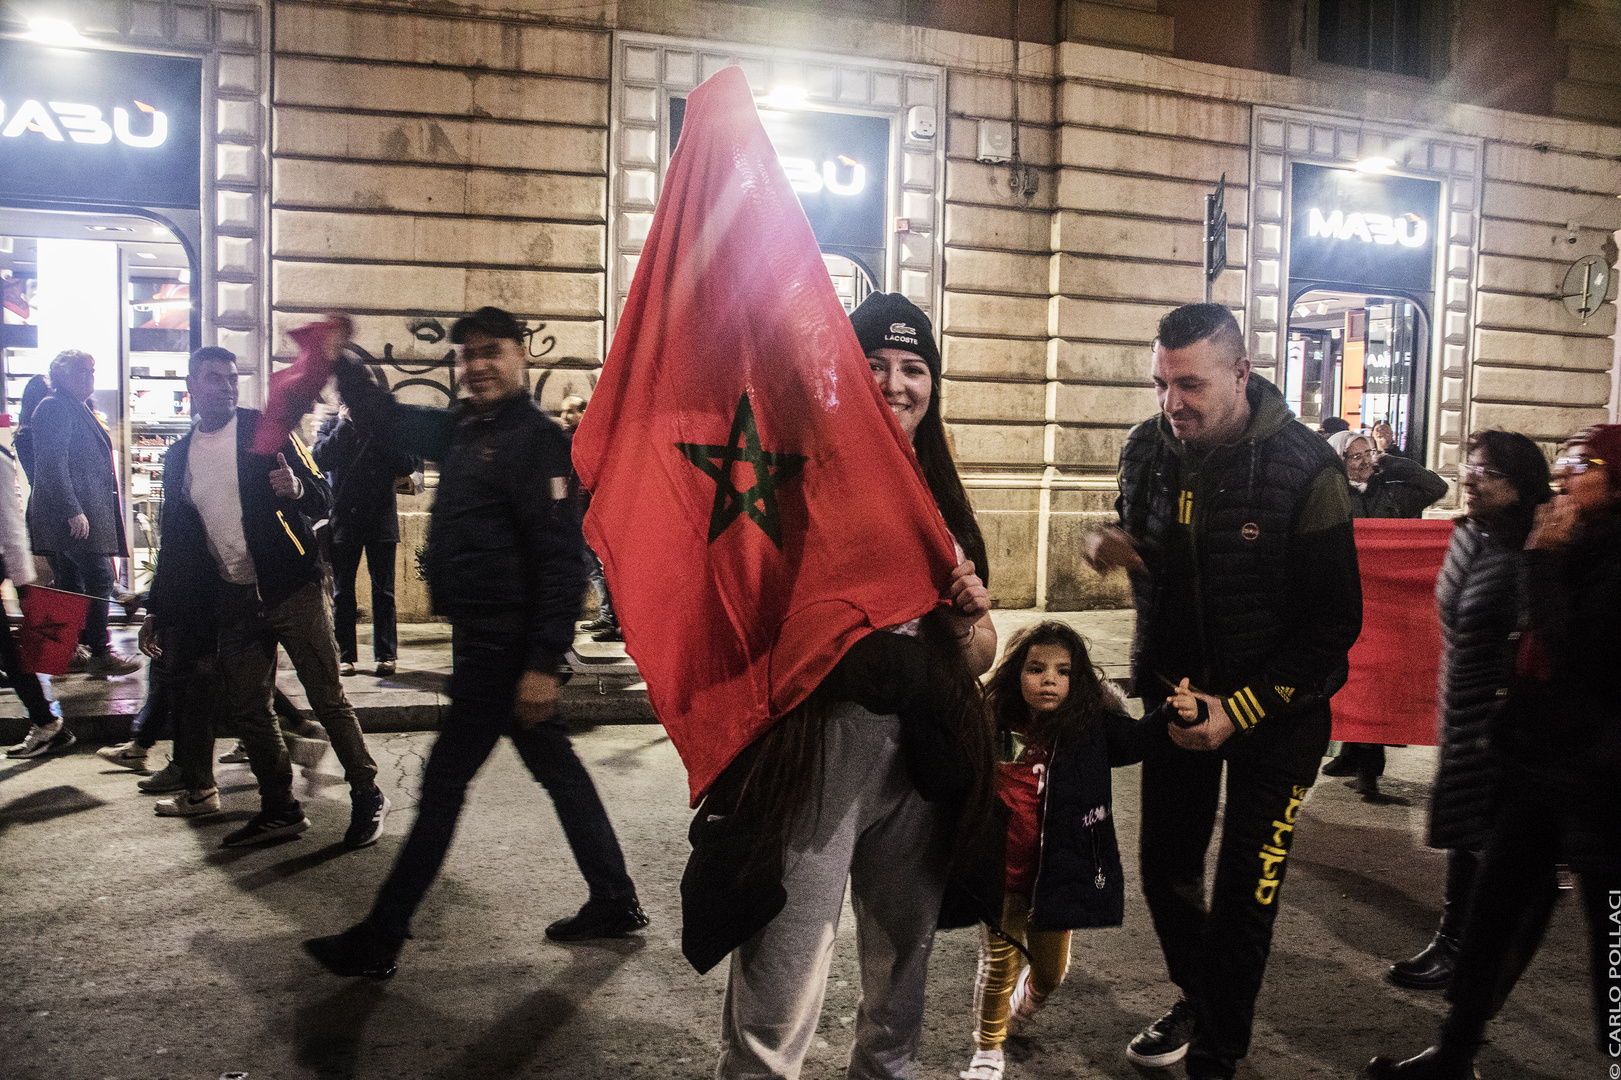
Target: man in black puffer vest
[1236, 528]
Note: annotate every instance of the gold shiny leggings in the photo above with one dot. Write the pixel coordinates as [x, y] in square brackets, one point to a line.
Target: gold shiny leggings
[1000, 964]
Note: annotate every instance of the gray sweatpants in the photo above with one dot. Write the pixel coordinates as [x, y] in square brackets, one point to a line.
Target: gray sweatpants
[874, 829]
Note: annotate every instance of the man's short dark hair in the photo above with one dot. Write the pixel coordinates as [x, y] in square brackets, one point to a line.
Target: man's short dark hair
[487, 320]
[210, 354]
[1192, 323]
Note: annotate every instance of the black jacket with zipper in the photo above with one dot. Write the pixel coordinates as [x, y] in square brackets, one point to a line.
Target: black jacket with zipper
[277, 530]
[1079, 879]
[1252, 590]
[505, 554]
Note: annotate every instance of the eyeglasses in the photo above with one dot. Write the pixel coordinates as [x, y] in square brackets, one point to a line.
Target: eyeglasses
[1575, 466]
[1482, 472]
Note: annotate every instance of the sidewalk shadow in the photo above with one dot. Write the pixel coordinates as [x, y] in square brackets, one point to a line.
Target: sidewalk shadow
[46, 805]
[328, 1033]
[511, 1042]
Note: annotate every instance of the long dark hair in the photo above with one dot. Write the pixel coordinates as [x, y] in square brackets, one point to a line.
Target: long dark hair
[940, 473]
[1521, 461]
[1074, 715]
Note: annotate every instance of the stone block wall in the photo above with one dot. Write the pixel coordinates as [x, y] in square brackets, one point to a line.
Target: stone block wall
[428, 160]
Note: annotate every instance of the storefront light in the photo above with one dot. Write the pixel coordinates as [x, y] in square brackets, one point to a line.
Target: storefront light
[54, 32]
[1376, 165]
[787, 96]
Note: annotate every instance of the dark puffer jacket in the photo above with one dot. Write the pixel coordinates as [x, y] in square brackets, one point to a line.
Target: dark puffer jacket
[1476, 597]
[1399, 488]
[1079, 880]
[1252, 588]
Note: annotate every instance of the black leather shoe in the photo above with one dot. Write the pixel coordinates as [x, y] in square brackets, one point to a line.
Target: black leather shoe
[611, 634]
[596, 625]
[1429, 970]
[1432, 1064]
[361, 950]
[599, 919]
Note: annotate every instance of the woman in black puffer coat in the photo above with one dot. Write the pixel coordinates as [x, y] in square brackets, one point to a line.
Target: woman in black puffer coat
[1558, 741]
[1504, 481]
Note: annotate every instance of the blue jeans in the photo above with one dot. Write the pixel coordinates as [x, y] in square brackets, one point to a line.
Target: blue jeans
[598, 581]
[81, 572]
[483, 686]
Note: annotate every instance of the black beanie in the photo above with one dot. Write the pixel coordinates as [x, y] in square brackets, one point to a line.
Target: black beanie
[890, 321]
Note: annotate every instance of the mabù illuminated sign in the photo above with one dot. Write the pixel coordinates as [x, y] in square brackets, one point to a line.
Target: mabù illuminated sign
[838, 165]
[1408, 230]
[1363, 232]
[100, 127]
[844, 176]
[83, 123]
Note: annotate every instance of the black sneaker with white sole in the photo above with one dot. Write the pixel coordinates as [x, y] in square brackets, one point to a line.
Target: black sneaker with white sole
[268, 825]
[367, 811]
[1165, 1041]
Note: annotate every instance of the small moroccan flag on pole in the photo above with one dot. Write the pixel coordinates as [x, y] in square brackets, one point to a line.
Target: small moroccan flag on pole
[52, 621]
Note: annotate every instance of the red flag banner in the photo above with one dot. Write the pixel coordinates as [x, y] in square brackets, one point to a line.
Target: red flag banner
[1395, 664]
[293, 389]
[754, 503]
[52, 620]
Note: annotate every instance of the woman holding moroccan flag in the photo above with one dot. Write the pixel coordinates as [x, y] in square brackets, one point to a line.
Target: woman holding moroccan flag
[771, 490]
[868, 780]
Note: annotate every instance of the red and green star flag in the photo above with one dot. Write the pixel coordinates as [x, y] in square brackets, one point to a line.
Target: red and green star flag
[756, 506]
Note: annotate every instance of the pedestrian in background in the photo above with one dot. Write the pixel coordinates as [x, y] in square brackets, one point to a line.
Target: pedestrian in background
[1060, 728]
[364, 521]
[74, 512]
[237, 551]
[504, 565]
[1558, 745]
[1505, 479]
[605, 627]
[46, 733]
[1381, 486]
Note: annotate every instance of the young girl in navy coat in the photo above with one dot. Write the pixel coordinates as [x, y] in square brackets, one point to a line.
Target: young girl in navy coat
[1061, 728]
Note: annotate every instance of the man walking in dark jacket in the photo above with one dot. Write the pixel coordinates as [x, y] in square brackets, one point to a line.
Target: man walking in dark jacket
[365, 521]
[237, 550]
[74, 514]
[1235, 527]
[504, 564]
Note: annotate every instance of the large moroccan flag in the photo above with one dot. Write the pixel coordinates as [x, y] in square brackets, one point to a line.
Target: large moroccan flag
[756, 506]
[1396, 662]
[293, 389]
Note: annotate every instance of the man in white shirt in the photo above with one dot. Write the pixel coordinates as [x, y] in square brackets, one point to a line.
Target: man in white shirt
[238, 569]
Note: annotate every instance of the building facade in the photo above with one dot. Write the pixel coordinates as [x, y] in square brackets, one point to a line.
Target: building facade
[1041, 196]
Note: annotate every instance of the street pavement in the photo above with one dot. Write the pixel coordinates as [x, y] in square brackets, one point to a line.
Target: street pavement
[133, 946]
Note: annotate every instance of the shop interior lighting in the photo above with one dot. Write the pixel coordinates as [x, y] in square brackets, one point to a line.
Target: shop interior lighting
[1322, 308]
[145, 255]
[786, 96]
[53, 32]
[109, 228]
[1376, 165]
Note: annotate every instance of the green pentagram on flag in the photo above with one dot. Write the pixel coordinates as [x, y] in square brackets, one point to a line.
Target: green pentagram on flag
[759, 500]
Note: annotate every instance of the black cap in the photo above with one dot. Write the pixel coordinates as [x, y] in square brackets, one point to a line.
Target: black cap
[1332, 425]
[890, 321]
[487, 320]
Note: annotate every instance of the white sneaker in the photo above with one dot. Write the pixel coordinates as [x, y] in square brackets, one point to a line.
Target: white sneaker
[987, 1065]
[42, 740]
[130, 755]
[1023, 1005]
[236, 755]
[190, 804]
